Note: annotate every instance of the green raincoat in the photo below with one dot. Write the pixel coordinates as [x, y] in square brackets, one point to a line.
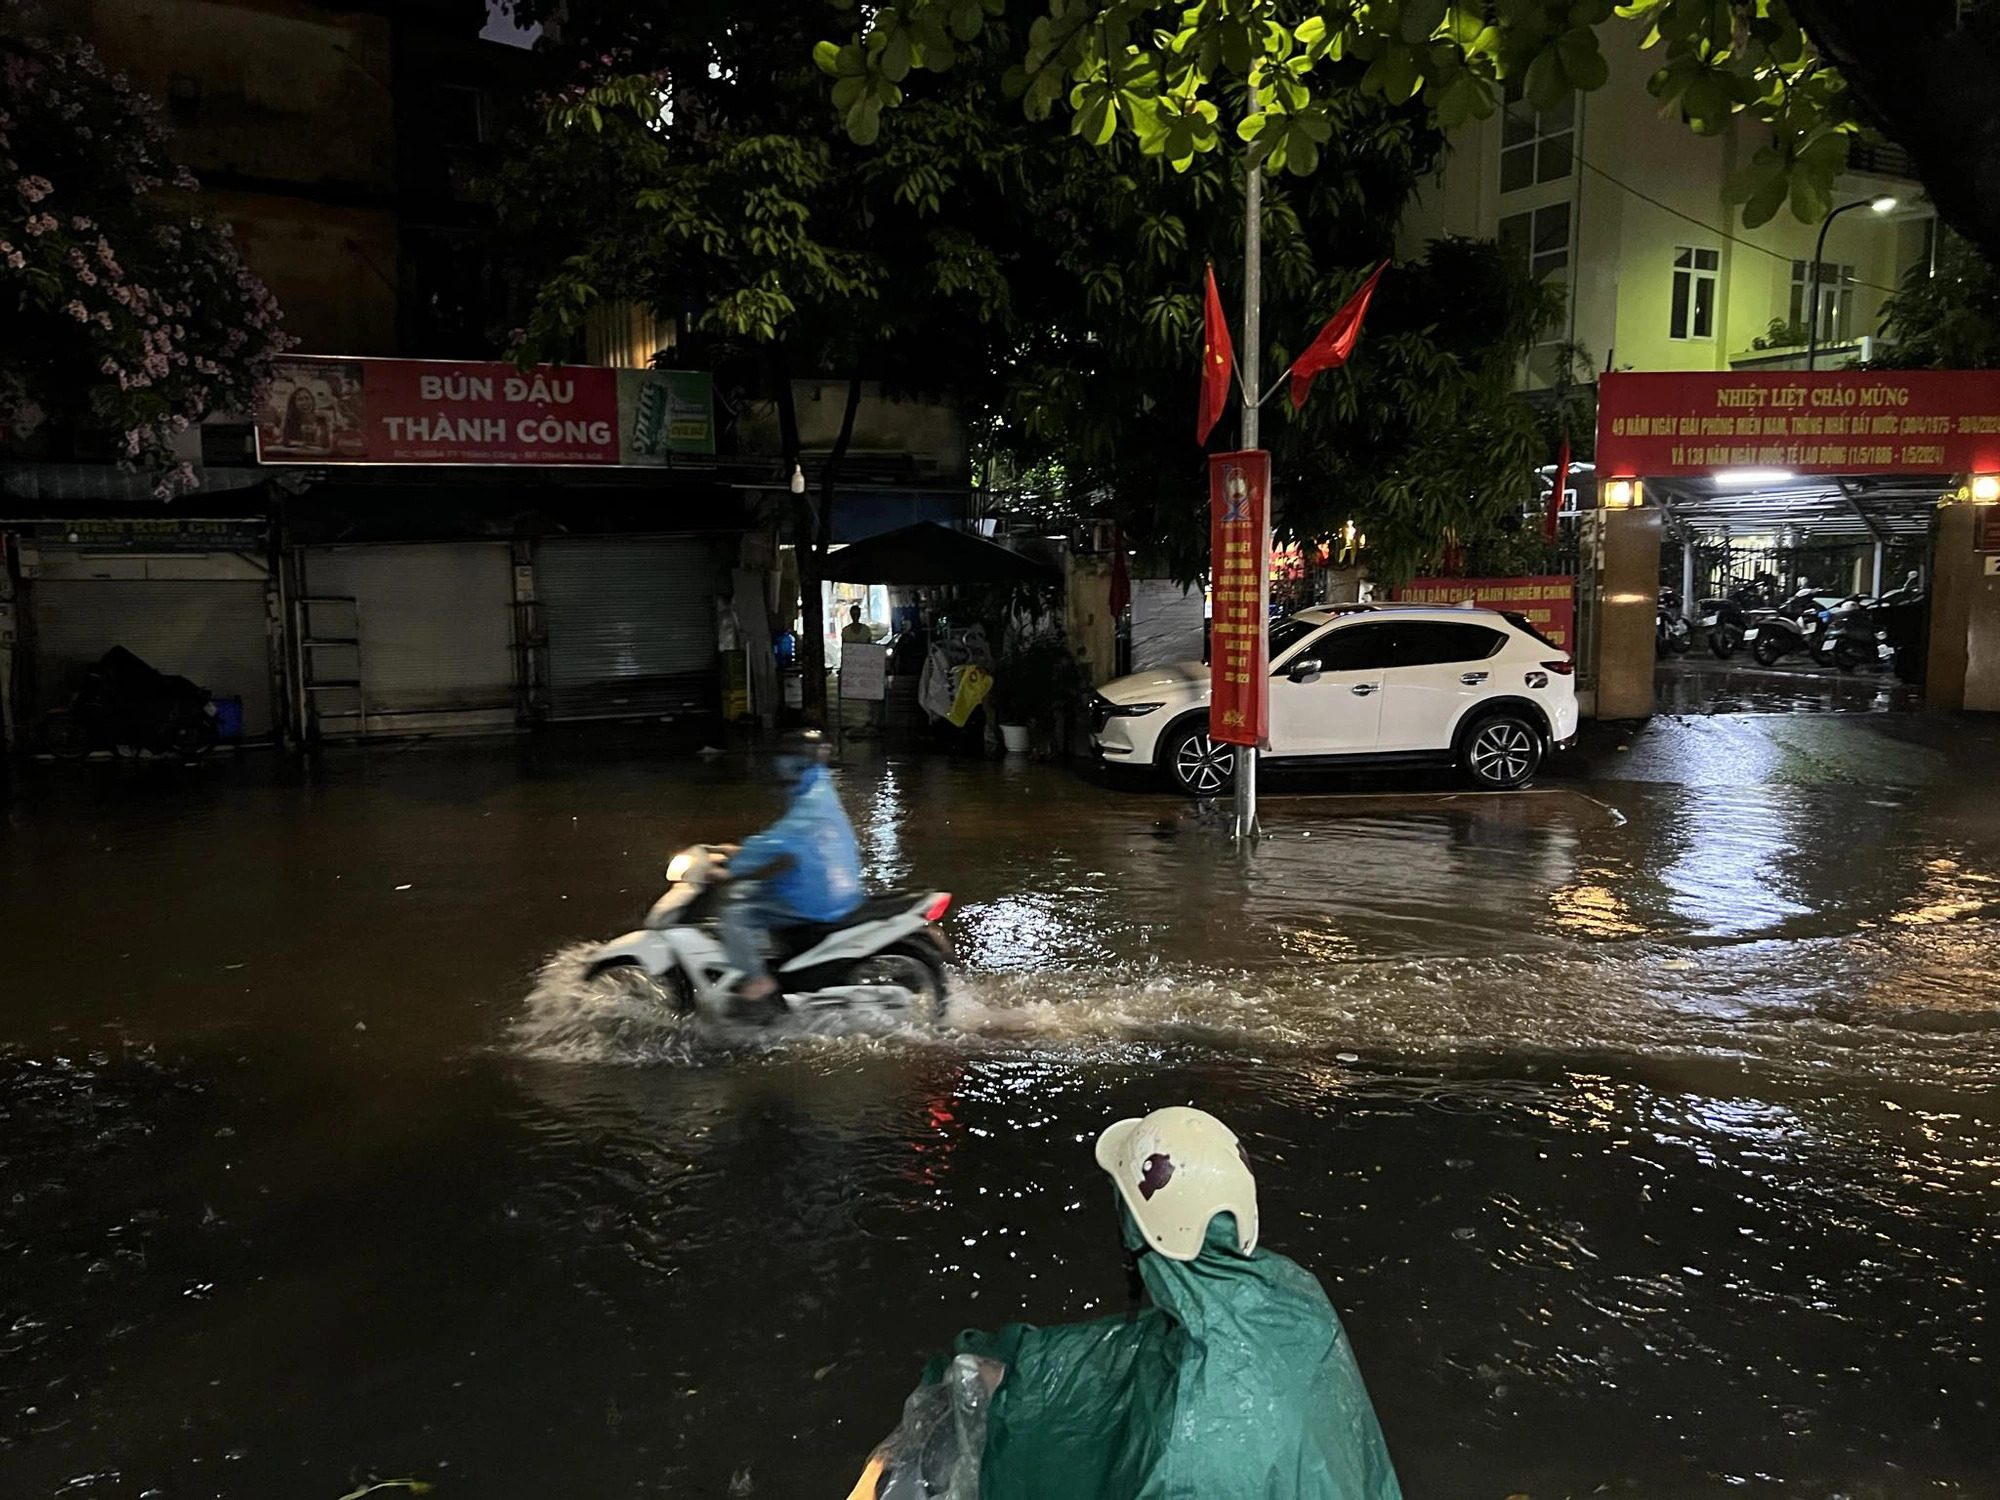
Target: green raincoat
[1236, 1384]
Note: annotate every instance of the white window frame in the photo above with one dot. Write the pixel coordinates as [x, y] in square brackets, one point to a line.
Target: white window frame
[1695, 267]
[1836, 299]
[1553, 128]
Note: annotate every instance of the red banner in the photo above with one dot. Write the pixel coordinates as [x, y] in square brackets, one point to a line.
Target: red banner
[1548, 603]
[1239, 546]
[1837, 422]
[406, 411]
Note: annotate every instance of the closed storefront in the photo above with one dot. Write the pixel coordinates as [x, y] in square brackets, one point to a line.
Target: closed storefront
[631, 625]
[408, 638]
[202, 616]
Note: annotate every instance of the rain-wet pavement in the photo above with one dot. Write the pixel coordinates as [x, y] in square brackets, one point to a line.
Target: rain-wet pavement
[1642, 1125]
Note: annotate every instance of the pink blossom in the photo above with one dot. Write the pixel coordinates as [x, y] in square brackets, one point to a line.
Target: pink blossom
[88, 278]
[39, 224]
[78, 311]
[16, 260]
[34, 189]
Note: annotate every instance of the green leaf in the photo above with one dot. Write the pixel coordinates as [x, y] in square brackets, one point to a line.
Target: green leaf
[1582, 60]
[966, 19]
[1763, 205]
[894, 63]
[864, 123]
[1546, 85]
[1420, 19]
[826, 54]
[1811, 194]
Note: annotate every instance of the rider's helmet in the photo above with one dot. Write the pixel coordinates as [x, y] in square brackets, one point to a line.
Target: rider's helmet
[1177, 1169]
[793, 767]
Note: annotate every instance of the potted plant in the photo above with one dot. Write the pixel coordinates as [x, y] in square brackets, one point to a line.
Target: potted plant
[1035, 682]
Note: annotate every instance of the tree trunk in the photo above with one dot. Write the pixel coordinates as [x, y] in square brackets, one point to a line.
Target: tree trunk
[813, 533]
[1928, 83]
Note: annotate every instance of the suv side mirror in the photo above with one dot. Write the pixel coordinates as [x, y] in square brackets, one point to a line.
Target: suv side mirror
[1304, 671]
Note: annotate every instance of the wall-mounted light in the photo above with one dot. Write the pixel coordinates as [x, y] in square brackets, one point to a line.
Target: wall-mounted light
[1883, 205]
[1623, 494]
[1743, 478]
[1984, 489]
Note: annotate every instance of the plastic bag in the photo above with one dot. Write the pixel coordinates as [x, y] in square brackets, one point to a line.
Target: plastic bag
[934, 1452]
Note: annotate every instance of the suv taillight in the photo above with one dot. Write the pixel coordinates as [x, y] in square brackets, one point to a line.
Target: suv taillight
[1560, 668]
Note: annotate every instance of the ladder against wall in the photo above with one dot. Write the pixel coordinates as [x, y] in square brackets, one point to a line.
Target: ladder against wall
[332, 695]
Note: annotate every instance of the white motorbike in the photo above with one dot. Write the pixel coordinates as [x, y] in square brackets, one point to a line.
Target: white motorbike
[888, 954]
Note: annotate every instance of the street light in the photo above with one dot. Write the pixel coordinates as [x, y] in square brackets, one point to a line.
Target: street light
[1881, 205]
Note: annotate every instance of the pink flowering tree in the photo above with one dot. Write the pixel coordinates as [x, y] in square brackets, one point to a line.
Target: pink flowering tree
[124, 317]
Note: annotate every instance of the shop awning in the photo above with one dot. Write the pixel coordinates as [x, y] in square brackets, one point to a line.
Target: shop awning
[928, 553]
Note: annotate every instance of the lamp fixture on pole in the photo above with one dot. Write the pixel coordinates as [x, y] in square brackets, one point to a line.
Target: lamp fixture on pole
[1881, 205]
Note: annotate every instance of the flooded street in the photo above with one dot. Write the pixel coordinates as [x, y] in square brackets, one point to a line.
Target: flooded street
[1644, 1127]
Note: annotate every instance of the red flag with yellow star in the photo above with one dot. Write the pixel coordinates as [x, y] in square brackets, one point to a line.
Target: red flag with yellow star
[1218, 358]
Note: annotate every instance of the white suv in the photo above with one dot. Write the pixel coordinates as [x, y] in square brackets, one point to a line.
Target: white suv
[1359, 683]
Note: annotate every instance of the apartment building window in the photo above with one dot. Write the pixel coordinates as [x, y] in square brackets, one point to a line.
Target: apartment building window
[1535, 145]
[1836, 299]
[1538, 242]
[1695, 274]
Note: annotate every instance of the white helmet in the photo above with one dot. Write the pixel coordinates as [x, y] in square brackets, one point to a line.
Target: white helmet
[1177, 1169]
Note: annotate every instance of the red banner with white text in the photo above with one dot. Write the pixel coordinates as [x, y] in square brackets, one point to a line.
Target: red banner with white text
[1239, 542]
[1830, 422]
[1548, 603]
[407, 411]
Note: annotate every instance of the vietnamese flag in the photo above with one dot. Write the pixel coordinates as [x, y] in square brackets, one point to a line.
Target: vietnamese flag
[1336, 341]
[1218, 358]
[1556, 493]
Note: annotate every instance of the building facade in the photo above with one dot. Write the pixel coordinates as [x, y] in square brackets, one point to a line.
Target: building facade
[1628, 213]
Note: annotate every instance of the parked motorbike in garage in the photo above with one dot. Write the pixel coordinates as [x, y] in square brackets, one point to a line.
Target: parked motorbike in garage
[1851, 638]
[1795, 626]
[1670, 626]
[1727, 619]
[1902, 622]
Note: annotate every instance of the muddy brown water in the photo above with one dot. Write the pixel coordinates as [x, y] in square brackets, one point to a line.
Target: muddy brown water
[1643, 1127]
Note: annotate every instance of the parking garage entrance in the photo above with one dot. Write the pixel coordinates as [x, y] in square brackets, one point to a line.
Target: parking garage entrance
[1779, 540]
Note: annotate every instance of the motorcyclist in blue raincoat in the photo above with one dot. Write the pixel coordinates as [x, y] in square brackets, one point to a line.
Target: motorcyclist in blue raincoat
[1236, 1383]
[806, 867]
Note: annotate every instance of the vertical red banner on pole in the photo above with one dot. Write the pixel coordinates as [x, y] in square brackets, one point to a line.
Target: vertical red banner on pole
[1239, 571]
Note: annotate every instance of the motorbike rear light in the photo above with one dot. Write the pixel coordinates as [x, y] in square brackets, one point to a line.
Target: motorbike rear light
[938, 905]
[1561, 668]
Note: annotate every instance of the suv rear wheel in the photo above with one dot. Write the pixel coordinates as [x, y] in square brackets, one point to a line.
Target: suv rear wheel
[1195, 765]
[1501, 752]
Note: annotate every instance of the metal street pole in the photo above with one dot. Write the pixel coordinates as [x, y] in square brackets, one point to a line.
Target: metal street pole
[1880, 205]
[1253, 343]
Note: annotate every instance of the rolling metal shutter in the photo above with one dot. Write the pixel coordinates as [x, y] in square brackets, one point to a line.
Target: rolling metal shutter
[437, 630]
[210, 631]
[631, 625]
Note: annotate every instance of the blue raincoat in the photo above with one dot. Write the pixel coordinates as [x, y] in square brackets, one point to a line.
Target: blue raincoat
[1238, 1383]
[823, 881]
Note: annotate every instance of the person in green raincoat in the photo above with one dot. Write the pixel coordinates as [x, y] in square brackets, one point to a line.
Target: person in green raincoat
[1236, 1383]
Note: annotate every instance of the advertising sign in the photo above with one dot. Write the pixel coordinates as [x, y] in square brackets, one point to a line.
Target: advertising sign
[864, 672]
[407, 411]
[665, 411]
[1835, 422]
[1548, 603]
[1239, 570]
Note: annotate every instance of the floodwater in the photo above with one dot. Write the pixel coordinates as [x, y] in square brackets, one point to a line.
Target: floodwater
[1644, 1126]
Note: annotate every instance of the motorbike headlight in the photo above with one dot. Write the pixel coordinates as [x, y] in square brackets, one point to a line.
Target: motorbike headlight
[1132, 710]
[678, 867]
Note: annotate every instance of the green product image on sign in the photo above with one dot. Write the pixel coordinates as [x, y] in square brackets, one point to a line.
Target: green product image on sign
[675, 414]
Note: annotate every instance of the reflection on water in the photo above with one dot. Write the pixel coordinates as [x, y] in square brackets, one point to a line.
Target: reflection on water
[331, 1178]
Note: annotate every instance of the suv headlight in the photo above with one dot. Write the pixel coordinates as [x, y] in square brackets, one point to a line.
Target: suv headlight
[1131, 710]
